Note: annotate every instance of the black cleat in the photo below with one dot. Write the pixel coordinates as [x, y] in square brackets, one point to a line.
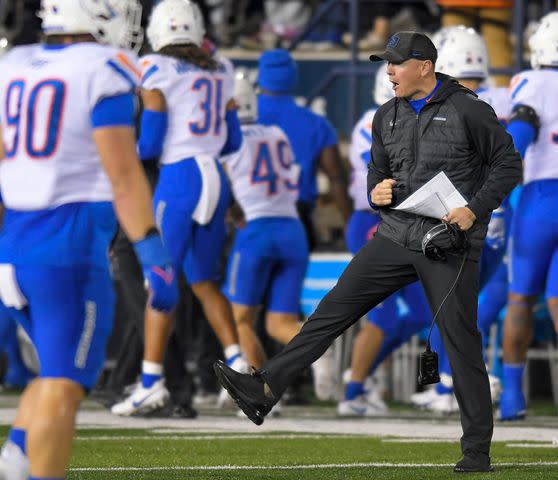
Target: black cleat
[170, 410]
[249, 392]
[473, 462]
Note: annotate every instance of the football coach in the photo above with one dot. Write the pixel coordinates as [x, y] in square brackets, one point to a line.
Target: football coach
[432, 125]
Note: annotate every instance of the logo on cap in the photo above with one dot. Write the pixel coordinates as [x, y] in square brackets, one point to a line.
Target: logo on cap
[393, 41]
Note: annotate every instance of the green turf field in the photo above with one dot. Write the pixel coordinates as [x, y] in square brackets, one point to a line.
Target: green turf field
[141, 454]
[307, 443]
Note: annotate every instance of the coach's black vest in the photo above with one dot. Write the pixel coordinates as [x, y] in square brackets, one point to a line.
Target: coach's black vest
[419, 146]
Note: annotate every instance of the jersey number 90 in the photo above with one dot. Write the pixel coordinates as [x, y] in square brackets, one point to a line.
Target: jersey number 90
[39, 136]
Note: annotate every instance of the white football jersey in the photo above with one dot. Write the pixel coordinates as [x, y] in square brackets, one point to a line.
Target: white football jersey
[498, 98]
[196, 103]
[359, 156]
[539, 90]
[263, 174]
[46, 99]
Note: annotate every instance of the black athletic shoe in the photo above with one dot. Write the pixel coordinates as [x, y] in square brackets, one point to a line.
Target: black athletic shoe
[473, 462]
[170, 410]
[106, 397]
[249, 392]
[183, 411]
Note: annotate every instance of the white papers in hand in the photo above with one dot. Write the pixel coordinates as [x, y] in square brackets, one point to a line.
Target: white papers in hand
[434, 199]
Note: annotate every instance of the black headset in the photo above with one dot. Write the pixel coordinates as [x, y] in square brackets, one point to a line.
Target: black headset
[442, 239]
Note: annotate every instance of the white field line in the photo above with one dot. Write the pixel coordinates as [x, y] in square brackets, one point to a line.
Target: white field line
[215, 437]
[532, 445]
[323, 466]
[419, 440]
[290, 437]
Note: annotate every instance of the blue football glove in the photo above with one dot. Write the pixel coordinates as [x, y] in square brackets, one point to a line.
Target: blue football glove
[158, 273]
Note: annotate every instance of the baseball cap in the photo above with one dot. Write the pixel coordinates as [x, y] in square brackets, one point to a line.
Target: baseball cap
[405, 45]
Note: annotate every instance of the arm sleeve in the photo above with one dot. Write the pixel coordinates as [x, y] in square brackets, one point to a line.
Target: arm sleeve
[497, 152]
[153, 129]
[523, 135]
[115, 111]
[234, 134]
[527, 106]
[378, 167]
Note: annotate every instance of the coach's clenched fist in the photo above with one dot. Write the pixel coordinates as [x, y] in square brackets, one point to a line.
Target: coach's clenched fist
[382, 193]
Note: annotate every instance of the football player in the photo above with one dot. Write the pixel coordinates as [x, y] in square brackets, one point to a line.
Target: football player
[17, 375]
[68, 164]
[188, 121]
[534, 250]
[270, 251]
[312, 137]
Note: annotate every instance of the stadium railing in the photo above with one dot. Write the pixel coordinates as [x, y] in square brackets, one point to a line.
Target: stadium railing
[355, 70]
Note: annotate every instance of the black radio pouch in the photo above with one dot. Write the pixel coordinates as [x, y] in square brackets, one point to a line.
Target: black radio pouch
[428, 368]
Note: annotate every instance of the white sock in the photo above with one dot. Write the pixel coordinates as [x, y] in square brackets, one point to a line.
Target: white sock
[446, 380]
[12, 455]
[151, 368]
[232, 351]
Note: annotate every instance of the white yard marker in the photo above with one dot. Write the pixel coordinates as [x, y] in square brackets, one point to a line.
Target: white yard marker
[531, 445]
[214, 437]
[419, 440]
[323, 466]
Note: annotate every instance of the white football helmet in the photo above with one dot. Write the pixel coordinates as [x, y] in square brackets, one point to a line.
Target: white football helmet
[544, 42]
[439, 37]
[4, 46]
[175, 22]
[463, 54]
[244, 95]
[383, 88]
[114, 22]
